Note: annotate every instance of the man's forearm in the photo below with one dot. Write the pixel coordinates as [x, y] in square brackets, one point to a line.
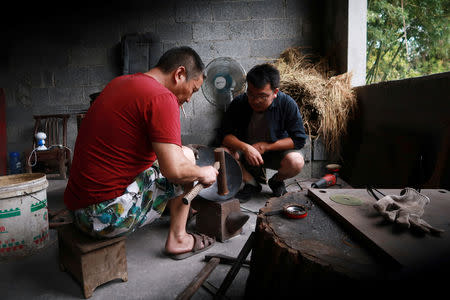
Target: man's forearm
[174, 165]
[232, 142]
[280, 145]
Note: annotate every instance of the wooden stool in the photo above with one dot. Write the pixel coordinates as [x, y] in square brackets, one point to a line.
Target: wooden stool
[92, 262]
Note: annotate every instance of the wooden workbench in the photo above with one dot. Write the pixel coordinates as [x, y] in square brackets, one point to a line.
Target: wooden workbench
[289, 251]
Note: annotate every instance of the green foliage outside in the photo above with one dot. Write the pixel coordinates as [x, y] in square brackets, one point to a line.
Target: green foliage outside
[427, 35]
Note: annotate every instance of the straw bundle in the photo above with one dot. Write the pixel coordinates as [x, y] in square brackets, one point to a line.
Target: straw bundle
[325, 102]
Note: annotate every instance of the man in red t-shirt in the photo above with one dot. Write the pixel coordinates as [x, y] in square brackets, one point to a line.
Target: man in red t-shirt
[129, 162]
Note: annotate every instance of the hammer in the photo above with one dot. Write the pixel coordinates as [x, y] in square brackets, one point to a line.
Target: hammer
[219, 156]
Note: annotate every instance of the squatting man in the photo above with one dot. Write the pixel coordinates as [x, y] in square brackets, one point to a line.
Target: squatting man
[263, 128]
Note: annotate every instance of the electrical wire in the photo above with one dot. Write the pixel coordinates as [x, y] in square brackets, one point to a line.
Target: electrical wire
[248, 210]
[49, 148]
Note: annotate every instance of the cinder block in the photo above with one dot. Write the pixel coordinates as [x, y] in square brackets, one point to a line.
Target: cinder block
[202, 139]
[174, 31]
[319, 152]
[72, 132]
[205, 136]
[268, 9]
[36, 79]
[158, 10]
[155, 53]
[100, 33]
[252, 29]
[82, 56]
[10, 98]
[204, 127]
[203, 48]
[185, 124]
[146, 24]
[211, 31]
[227, 11]
[169, 45]
[61, 96]
[12, 132]
[55, 56]
[88, 90]
[101, 75]
[250, 62]
[282, 29]
[271, 48]
[76, 108]
[192, 11]
[318, 168]
[302, 9]
[48, 78]
[23, 94]
[202, 107]
[39, 98]
[306, 171]
[132, 21]
[71, 76]
[306, 150]
[233, 48]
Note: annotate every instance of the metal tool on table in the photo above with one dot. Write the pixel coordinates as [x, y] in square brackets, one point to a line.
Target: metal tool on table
[330, 178]
[291, 211]
[219, 214]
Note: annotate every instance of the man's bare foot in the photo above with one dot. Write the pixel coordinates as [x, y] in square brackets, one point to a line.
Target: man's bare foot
[179, 244]
[181, 251]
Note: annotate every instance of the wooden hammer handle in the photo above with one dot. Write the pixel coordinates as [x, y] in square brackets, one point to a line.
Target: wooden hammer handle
[197, 188]
[222, 187]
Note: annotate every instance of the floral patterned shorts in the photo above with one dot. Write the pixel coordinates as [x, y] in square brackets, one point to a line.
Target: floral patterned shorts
[143, 202]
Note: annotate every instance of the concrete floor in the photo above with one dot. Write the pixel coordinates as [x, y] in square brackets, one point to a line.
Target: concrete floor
[151, 275]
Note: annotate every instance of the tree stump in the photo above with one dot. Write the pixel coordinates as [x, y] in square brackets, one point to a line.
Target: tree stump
[287, 251]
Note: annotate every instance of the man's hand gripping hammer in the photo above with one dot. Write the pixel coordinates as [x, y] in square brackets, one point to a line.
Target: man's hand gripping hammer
[222, 187]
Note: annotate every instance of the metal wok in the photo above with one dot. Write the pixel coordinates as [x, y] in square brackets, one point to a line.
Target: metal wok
[233, 174]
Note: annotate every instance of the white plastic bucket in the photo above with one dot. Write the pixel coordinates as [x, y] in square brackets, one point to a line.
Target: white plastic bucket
[23, 214]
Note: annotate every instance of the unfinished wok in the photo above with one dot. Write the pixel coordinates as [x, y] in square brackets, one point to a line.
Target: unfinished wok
[233, 174]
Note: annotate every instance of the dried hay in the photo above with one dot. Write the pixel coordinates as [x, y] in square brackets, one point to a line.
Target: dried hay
[326, 102]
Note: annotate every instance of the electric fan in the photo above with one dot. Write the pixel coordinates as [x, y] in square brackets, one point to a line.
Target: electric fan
[225, 79]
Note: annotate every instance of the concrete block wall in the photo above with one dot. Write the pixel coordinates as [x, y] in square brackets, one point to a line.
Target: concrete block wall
[57, 58]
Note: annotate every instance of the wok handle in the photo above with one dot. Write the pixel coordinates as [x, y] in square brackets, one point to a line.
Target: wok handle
[197, 188]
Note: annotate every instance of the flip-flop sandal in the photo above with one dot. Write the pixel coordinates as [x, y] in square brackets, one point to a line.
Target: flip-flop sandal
[198, 240]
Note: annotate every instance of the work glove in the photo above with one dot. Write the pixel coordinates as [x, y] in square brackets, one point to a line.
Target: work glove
[406, 210]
